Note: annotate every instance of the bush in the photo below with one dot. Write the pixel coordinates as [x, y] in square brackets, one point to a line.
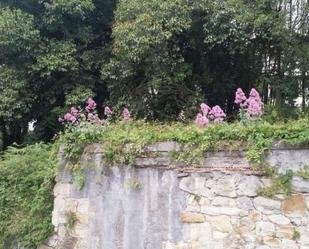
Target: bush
[26, 198]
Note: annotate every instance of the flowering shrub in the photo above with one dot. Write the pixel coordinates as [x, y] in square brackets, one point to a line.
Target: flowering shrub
[126, 114]
[107, 112]
[250, 108]
[207, 114]
[78, 116]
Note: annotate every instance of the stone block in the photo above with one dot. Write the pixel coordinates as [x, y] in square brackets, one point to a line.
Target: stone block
[223, 201]
[254, 215]
[212, 210]
[244, 203]
[289, 244]
[294, 206]
[245, 226]
[219, 235]
[264, 228]
[196, 186]
[271, 241]
[286, 232]
[190, 217]
[248, 186]
[300, 185]
[221, 223]
[198, 232]
[164, 147]
[152, 162]
[266, 205]
[304, 237]
[225, 159]
[279, 219]
[224, 186]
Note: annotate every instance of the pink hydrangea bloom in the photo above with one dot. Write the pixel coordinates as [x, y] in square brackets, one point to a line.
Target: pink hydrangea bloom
[91, 105]
[107, 111]
[240, 97]
[205, 108]
[74, 111]
[126, 114]
[201, 120]
[69, 117]
[216, 112]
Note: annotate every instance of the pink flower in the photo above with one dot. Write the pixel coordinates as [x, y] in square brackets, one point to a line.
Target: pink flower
[69, 117]
[205, 108]
[126, 114]
[91, 117]
[254, 93]
[255, 108]
[74, 111]
[255, 104]
[107, 111]
[240, 97]
[216, 112]
[201, 120]
[91, 105]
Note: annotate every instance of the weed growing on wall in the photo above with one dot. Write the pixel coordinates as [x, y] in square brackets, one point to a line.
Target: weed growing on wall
[123, 141]
[134, 184]
[71, 219]
[280, 183]
[304, 172]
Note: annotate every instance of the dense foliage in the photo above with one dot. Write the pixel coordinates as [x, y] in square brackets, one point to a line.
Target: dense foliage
[51, 54]
[26, 197]
[161, 58]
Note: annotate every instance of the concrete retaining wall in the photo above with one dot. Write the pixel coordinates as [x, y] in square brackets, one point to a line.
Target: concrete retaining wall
[160, 204]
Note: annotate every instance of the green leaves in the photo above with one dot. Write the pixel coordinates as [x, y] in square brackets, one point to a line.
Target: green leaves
[47, 48]
[17, 33]
[26, 198]
[142, 26]
[14, 102]
[147, 60]
[70, 7]
[56, 57]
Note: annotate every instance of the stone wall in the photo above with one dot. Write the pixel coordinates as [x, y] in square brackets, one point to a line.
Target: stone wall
[160, 204]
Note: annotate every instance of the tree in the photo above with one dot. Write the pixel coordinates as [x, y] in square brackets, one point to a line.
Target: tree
[206, 49]
[48, 49]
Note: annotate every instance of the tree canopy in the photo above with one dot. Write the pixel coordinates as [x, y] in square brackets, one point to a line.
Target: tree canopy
[159, 58]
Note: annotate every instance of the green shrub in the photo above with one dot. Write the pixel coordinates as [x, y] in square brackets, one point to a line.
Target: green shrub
[26, 198]
[256, 137]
